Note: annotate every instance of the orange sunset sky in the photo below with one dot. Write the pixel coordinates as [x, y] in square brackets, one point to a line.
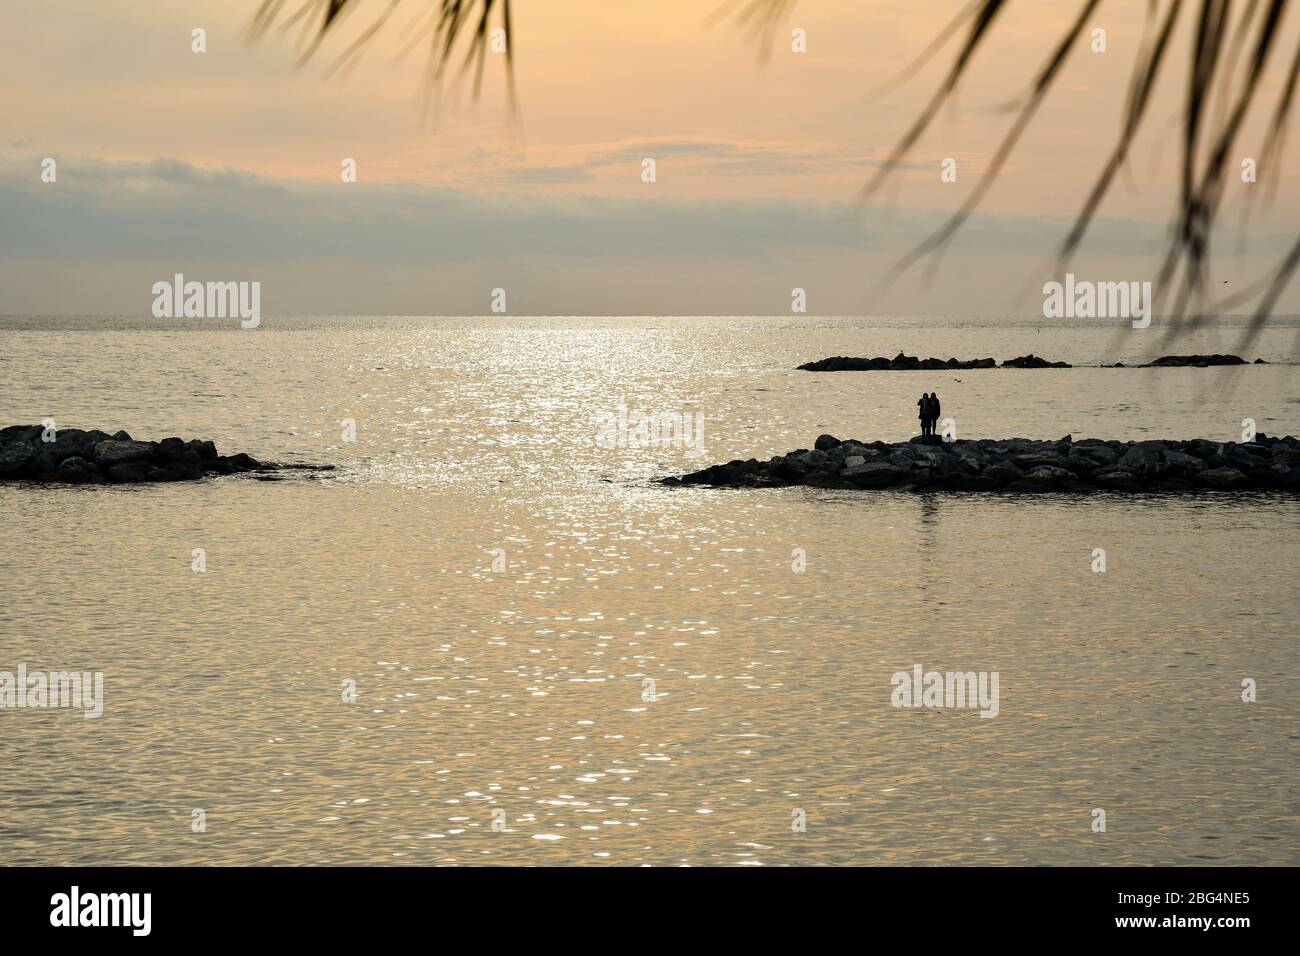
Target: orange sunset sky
[225, 164]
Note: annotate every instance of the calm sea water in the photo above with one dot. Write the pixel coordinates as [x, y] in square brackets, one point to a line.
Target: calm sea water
[516, 696]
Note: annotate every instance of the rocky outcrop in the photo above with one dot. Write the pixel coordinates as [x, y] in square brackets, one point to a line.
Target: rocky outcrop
[79, 457]
[899, 363]
[1033, 361]
[1192, 361]
[910, 363]
[1021, 465]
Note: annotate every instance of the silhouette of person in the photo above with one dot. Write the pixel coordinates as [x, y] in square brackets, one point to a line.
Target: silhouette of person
[923, 413]
[935, 410]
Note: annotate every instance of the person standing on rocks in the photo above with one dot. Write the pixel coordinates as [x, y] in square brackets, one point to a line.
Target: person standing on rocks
[935, 410]
[923, 405]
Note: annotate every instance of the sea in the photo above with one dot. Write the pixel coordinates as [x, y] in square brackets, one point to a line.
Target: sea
[489, 638]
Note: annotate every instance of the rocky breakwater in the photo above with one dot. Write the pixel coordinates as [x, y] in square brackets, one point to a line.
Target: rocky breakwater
[1192, 361]
[1021, 465]
[910, 363]
[77, 456]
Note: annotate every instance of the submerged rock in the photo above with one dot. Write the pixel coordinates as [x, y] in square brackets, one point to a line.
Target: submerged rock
[81, 457]
[1021, 465]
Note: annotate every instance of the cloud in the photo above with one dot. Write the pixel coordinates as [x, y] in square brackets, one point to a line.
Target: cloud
[98, 237]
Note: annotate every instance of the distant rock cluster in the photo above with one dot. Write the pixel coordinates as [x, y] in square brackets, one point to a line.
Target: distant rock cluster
[77, 456]
[910, 363]
[1192, 361]
[1020, 465]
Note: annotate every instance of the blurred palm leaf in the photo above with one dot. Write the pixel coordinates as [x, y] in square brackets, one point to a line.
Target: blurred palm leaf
[445, 25]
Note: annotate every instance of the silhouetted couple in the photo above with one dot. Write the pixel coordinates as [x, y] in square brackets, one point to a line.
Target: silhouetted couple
[929, 412]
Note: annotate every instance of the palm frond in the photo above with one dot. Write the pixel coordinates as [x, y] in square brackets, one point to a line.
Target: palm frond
[451, 24]
[1206, 143]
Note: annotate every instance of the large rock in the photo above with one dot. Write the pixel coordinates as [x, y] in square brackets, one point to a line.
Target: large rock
[1182, 464]
[1221, 478]
[1049, 473]
[873, 474]
[1038, 459]
[77, 471]
[1144, 458]
[1003, 472]
[16, 457]
[117, 451]
[1117, 479]
[128, 471]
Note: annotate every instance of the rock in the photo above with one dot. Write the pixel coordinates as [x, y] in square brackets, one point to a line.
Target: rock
[1199, 361]
[77, 471]
[239, 462]
[1037, 459]
[1049, 473]
[1143, 458]
[1221, 477]
[789, 468]
[825, 442]
[70, 443]
[1082, 464]
[854, 460]
[1002, 472]
[1182, 464]
[873, 474]
[206, 450]
[1116, 478]
[1102, 454]
[121, 450]
[129, 471]
[16, 457]
[1263, 478]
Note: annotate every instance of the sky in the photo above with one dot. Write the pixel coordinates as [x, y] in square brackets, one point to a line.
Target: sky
[225, 165]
